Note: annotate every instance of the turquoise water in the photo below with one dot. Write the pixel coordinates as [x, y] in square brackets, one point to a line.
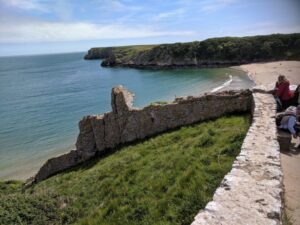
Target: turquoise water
[42, 98]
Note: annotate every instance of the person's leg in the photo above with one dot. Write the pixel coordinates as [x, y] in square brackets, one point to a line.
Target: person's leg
[278, 104]
[297, 128]
[285, 104]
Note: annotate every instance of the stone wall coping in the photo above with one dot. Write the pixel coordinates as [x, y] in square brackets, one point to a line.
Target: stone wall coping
[251, 193]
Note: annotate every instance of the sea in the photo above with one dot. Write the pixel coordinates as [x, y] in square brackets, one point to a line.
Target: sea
[43, 97]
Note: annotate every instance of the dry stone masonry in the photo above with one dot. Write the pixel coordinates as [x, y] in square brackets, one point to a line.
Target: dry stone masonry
[252, 192]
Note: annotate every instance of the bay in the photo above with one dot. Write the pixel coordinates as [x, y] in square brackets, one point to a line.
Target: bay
[43, 97]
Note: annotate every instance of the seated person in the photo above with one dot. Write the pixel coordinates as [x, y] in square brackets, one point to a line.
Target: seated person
[289, 121]
[282, 91]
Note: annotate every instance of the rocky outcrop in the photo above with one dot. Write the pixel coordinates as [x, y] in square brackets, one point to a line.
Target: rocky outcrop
[99, 53]
[99, 133]
[251, 193]
[170, 64]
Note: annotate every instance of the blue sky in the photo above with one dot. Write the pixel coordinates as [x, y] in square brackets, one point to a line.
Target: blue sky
[50, 26]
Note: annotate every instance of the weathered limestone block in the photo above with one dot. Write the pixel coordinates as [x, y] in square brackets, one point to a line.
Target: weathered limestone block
[129, 131]
[111, 130]
[63, 162]
[98, 130]
[148, 121]
[86, 140]
[121, 100]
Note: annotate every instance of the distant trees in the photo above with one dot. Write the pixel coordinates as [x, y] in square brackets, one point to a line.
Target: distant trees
[256, 48]
[214, 50]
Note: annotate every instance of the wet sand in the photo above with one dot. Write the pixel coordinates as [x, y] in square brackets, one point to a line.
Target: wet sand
[266, 74]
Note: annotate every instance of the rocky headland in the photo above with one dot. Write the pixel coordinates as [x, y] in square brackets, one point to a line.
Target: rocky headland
[214, 52]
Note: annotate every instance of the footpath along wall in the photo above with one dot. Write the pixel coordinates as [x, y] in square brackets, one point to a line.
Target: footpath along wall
[251, 193]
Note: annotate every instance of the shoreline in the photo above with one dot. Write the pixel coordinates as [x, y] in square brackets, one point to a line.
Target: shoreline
[29, 169]
[244, 70]
[262, 73]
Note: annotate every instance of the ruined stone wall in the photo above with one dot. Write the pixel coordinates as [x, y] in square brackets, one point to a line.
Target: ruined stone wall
[251, 193]
[125, 124]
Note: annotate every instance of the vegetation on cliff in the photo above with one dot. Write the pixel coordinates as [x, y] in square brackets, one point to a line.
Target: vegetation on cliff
[211, 52]
[163, 180]
[124, 52]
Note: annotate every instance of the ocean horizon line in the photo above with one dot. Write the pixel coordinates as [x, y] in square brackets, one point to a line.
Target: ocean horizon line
[41, 54]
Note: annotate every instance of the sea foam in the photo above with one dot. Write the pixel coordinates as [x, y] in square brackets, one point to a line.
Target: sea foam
[226, 84]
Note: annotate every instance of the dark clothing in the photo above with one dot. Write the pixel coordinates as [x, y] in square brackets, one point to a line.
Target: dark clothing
[295, 99]
[285, 104]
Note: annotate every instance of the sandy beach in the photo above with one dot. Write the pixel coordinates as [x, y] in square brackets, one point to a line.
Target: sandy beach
[266, 74]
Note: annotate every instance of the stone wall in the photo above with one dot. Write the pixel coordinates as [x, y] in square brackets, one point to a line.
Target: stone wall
[251, 193]
[99, 133]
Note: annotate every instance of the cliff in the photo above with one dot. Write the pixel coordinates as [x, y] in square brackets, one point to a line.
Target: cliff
[214, 52]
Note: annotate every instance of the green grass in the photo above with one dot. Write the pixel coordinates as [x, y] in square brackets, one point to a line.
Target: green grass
[163, 180]
[126, 53]
[286, 218]
[159, 103]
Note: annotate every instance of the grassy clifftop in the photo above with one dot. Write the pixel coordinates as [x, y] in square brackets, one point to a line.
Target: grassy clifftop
[224, 51]
[125, 52]
[163, 180]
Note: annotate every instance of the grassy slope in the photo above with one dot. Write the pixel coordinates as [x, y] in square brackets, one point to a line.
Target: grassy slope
[163, 180]
[126, 53]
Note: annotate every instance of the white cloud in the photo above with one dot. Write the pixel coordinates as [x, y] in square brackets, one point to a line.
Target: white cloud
[62, 9]
[174, 13]
[214, 5]
[261, 28]
[52, 32]
[25, 4]
[115, 5]
[270, 28]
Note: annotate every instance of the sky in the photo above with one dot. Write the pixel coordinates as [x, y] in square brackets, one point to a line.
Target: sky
[30, 27]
